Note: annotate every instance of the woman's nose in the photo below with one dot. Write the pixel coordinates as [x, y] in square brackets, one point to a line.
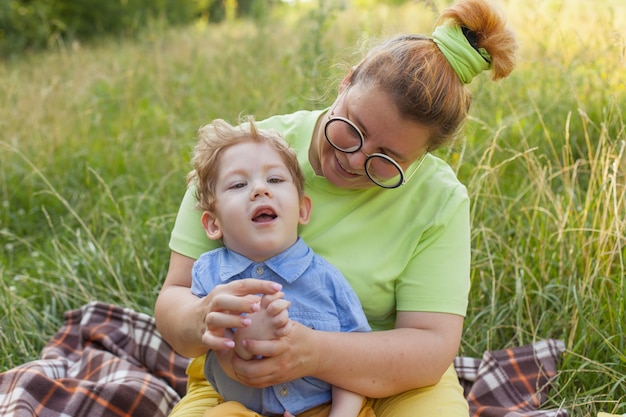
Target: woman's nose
[357, 159]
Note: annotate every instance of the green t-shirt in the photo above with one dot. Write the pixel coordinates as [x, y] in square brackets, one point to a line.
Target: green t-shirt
[404, 249]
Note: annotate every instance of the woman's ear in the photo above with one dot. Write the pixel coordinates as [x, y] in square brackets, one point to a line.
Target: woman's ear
[305, 209]
[211, 225]
[346, 80]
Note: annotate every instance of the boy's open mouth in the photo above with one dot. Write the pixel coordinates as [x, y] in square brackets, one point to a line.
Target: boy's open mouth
[264, 215]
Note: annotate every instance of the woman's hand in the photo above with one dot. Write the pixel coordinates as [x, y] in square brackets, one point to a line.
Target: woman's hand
[283, 359]
[194, 325]
[224, 307]
[274, 307]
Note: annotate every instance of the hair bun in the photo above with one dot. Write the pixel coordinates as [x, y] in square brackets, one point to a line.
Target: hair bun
[466, 59]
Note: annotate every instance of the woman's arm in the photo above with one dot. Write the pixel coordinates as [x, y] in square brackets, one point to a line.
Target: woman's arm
[378, 364]
[193, 325]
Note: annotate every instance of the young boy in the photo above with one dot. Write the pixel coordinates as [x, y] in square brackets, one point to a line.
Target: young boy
[250, 189]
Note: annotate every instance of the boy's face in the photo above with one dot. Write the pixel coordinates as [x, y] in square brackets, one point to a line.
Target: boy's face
[257, 209]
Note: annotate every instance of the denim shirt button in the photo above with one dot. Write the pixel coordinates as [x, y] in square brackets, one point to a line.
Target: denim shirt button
[283, 392]
[259, 270]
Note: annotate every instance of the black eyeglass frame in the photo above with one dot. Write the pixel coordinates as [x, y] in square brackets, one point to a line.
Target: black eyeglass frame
[403, 178]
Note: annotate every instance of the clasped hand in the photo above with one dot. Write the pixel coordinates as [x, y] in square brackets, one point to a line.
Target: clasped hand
[259, 313]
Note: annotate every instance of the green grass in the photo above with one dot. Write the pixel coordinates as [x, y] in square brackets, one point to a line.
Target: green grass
[95, 140]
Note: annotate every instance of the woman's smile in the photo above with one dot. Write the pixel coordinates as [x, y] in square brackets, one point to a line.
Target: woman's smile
[342, 170]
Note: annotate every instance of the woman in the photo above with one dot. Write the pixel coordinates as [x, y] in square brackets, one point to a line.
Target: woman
[392, 217]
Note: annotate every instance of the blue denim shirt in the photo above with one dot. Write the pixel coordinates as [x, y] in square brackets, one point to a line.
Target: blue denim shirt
[321, 299]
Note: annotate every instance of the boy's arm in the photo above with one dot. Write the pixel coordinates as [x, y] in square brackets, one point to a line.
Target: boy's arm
[345, 403]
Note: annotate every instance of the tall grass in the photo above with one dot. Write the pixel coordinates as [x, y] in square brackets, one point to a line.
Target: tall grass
[95, 140]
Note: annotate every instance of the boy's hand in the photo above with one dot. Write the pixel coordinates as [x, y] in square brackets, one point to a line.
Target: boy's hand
[269, 323]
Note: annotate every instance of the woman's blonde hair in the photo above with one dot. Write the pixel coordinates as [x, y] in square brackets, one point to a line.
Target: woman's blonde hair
[217, 136]
[420, 80]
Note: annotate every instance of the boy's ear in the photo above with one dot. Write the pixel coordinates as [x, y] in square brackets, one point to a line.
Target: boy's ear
[211, 225]
[305, 209]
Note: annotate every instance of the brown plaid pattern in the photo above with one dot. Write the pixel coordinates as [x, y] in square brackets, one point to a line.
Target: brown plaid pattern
[511, 382]
[111, 361]
[104, 361]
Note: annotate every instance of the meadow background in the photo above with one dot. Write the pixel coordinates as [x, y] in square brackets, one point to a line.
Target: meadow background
[95, 142]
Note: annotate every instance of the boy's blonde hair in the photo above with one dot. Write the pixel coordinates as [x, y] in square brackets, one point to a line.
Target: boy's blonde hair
[217, 136]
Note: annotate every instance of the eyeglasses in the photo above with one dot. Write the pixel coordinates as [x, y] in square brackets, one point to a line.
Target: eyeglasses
[382, 170]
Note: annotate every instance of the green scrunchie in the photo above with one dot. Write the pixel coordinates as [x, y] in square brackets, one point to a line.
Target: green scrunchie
[466, 61]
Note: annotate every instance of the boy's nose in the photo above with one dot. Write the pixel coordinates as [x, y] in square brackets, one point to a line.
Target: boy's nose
[259, 188]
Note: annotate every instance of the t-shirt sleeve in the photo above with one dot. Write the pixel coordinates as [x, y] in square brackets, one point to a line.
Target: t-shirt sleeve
[441, 261]
[349, 309]
[188, 237]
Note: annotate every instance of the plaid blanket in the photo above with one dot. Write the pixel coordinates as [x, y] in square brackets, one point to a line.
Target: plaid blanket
[111, 361]
[512, 382]
[104, 361]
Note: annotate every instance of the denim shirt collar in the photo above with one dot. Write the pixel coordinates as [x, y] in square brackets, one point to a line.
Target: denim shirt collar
[289, 265]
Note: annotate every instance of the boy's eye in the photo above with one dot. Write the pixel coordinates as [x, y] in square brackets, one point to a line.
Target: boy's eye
[275, 180]
[237, 185]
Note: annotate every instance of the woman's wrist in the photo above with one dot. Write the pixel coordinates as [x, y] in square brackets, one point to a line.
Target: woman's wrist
[180, 326]
[308, 350]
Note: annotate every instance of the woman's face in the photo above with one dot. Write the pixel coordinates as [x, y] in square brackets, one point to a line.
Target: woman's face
[384, 131]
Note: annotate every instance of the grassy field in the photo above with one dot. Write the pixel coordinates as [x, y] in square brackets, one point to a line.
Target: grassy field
[95, 141]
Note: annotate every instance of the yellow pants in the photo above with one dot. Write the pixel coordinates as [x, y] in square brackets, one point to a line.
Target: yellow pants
[444, 399]
[235, 409]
